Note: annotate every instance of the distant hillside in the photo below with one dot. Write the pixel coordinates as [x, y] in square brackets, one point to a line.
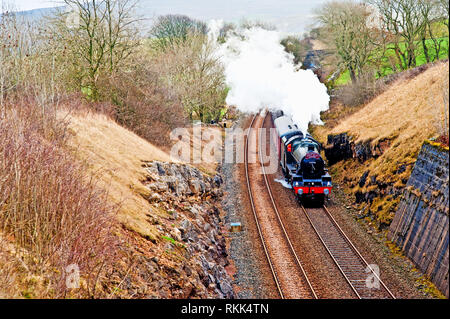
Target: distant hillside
[37, 14]
[288, 16]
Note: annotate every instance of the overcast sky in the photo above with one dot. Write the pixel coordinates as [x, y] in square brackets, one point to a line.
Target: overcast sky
[292, 16]
[32, 4]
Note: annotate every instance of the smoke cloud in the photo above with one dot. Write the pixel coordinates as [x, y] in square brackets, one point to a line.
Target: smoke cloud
[262, 75]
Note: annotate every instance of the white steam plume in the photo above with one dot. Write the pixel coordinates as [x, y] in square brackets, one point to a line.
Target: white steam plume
[262, 75]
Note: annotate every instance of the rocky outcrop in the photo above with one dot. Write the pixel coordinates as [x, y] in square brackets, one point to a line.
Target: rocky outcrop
[177, 181]
[190, 256]
[341, 147]
[421, 223]
[376, 188]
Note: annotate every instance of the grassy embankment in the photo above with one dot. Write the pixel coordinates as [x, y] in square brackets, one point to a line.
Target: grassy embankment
[399, 119]
[99, 164]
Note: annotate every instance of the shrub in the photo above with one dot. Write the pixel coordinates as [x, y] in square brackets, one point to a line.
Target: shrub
[49, 205]
[193, 71]
[298, 48]
[360, 92]
[174, 29]
[142, 103]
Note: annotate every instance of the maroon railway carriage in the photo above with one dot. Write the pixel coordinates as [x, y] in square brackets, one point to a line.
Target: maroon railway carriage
[300, 160]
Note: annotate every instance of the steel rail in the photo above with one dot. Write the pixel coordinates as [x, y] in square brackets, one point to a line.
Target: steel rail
[347, 239]
[266, 252]
[351, 248]
[286, 236]
[330, 253]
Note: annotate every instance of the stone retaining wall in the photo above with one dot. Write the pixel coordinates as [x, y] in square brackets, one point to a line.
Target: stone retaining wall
[421, 226]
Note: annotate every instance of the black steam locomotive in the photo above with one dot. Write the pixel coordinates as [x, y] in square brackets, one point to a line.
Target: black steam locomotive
[301, 162]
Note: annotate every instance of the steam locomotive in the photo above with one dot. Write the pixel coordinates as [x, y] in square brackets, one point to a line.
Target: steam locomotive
[301, 162]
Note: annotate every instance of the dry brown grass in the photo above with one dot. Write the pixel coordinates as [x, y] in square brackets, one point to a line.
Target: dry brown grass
[115, 155]
[209, 162]
[404, 110]
[404, 115]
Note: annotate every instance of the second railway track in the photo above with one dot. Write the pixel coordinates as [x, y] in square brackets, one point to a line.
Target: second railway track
[352, 265]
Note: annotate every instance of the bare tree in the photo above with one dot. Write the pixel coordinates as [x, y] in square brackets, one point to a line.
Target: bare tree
[443, 6]
[175, 28]
[103, 35]
[122, 31]
[426, 10]
[404, 21]
[10, 53]
[194, 72]
[443, 14]
[346, 29]
[19, 49]
[249, 24]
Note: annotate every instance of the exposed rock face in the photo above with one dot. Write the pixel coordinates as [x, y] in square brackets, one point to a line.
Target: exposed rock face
[175, 180]
[363, 179]
[341, 147]
[382, 189]
[191, 263]
[421, 223]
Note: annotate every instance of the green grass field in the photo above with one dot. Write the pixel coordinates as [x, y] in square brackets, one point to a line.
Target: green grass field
[420, 59]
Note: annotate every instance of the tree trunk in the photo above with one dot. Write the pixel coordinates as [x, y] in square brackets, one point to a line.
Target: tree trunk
[425, 49]
[411, 56]
[352, 75]
[401, 58]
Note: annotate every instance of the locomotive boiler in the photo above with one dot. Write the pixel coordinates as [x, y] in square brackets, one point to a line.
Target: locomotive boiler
[301, 162]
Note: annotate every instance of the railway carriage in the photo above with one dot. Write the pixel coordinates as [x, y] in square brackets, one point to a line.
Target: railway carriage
[300, 160]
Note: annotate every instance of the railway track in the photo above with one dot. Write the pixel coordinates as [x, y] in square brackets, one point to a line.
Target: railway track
[347, 258]
[287, 271]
